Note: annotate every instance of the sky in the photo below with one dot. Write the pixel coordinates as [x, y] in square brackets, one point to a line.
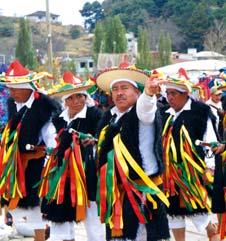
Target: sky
[67, 9]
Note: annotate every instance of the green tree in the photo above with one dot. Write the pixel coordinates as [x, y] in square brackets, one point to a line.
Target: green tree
[165, 49]
[92, 12]
[197, 26]
[24, 48]
[74, 32]
[6, 28]
[133, 13]
[143, 61]
[114, 36]
[98, 41]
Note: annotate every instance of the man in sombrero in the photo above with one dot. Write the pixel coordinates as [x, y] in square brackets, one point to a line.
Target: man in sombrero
[188, 169]
[69, 179]
[130, 200]
[23, 143]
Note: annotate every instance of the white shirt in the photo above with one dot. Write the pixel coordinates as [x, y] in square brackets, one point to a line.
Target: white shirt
[146, 132]
[48, 131]
[214, 110]
[81, 114]
[209, 135]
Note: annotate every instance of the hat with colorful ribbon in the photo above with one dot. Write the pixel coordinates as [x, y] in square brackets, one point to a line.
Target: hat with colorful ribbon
[69, 85]
[17, 76]
[130, 74]
[179, 81]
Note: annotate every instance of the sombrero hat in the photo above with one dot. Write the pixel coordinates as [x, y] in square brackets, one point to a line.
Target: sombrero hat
[105, 79]
[69, 85]
[179, 81]
[17, 74]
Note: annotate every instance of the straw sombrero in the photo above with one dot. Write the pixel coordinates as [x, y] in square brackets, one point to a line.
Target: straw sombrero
[17, 74]
[105, 78]
[179, 81]
[69, 85]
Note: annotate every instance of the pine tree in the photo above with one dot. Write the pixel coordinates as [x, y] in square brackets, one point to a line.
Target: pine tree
[119, 36]
[114, 36]
[24, 48]
[98, 41]
[143, 61]
[165, 48]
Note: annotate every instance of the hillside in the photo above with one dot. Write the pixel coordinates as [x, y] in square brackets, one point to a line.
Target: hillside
[62, 42]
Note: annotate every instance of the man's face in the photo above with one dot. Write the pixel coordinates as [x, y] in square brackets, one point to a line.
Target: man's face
[20, 95]
[216, 98]
[75, 103]
[124, 95]
[176, 99]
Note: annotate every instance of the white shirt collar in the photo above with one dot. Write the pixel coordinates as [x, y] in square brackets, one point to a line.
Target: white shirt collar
[187, 106]
[119, 114]
[28, 103]
[217, 105]
[81, 114]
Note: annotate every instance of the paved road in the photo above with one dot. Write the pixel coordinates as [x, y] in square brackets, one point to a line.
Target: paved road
[191, 234]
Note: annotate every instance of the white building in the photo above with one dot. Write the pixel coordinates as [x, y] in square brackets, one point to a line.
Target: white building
[84, 64]
[192, 54]
[40, 16]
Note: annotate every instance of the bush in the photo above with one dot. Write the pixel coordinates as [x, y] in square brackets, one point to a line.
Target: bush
[74, 32]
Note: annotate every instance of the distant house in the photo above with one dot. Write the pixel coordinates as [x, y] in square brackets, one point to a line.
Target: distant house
[203, 55]
[84, 64]
[40, 16]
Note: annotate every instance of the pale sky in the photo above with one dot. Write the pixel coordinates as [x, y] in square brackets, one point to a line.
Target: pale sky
[67, 9]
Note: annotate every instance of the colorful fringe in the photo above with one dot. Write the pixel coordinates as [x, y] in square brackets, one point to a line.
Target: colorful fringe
[222, 216]
[111, 194]
[186, 175]
[12, 177]
[52, 185]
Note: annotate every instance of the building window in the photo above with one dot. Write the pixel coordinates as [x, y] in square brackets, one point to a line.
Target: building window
[82, 64]
[90, 64]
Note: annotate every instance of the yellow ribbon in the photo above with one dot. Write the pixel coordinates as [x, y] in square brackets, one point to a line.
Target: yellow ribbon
[122, 152]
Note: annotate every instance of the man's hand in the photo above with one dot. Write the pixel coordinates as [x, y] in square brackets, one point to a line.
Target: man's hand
[87, 141]
[218, 149]
[152, 86]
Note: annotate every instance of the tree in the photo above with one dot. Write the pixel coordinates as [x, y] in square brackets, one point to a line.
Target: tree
[74, 32]
[98, 41]
[92, 12]
[215, 38]
[24, 48]
[197, 26]
[165, 49]
[6, 28]
[114, 36]
[119, 35]
[133, 13]
[143, 61]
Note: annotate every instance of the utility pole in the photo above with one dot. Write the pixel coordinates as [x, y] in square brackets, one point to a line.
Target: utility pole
[49, 39]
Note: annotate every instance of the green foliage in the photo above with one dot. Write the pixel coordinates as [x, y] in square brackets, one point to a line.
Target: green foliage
[197, 26]
[143, 61]
[165, 48]
[74, 32]
[92, 12]
[24, 48]
[194, 18]
[98, 40]
[133, 13]
[6, 28]
[114, 36]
